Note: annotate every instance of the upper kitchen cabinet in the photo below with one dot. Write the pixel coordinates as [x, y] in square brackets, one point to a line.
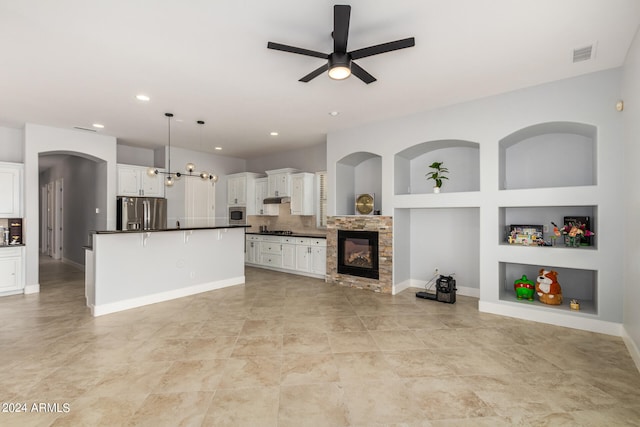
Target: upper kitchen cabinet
[280, 182]
[11, 190]
[302, 191]
[134, 181]
[262, 191]
[241, 189]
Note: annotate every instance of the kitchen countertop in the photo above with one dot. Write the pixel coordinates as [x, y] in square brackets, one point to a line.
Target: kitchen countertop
[172, 229]
[311, 235]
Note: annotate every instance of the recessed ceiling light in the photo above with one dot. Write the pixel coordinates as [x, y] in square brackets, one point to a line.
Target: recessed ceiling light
[142, 97]
[98, 125]
[274, 134]
[218, 148]
[334, 113]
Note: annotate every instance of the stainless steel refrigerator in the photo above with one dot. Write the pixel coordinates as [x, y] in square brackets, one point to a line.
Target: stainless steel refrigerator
[141, 213]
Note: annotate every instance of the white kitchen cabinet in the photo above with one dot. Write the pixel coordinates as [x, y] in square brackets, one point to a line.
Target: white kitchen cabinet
[237, 190]
[318, 257]
[280, 182]
[262, 192]
[311, 255]
[134, 181]
[302, 191]
[288, 253]
[11, 270]
[271, 251]
[11, 190]
[252, 249]
[241, 190]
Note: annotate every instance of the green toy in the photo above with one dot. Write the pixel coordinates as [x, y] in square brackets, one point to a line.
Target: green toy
[524, 288]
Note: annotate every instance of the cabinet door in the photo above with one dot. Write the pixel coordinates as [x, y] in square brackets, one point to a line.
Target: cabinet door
[152, 186]
[302, 258]
[10, 273]
[288, 256]
[10, 191]
[236, 191]
[319, 259]
[297, 195]
[261, 193]
[129, 181]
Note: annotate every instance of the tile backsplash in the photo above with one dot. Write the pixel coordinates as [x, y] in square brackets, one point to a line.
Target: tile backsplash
[285, 221]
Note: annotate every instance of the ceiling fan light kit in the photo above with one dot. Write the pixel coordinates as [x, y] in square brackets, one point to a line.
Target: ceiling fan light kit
[340, 63]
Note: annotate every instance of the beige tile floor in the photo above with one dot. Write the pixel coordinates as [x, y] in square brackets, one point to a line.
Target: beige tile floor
[285, 350]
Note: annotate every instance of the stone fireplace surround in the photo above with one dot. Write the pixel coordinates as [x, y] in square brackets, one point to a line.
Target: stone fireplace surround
[384, 226]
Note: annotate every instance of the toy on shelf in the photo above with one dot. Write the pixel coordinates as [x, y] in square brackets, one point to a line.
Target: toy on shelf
[576, 230]
[548, 288]
[524, 288]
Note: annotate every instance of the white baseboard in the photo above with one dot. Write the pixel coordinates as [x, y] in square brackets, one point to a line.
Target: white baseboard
[403, 286]
[73, 264]
[559, 319]
[114, 307]
[32, 289]
[634, 351]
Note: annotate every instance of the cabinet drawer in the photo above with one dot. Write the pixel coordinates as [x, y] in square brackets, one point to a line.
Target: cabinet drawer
[253, 238]
[289, 240]
[271, 260]
[271, 248]
[10, 252]
[303, 241]
[318, 242]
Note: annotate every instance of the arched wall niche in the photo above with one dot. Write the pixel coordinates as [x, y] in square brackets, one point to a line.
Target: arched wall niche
[552, 154]
[358, 173]
[461, 157]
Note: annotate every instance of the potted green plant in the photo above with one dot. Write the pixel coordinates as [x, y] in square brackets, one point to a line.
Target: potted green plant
[437, 175]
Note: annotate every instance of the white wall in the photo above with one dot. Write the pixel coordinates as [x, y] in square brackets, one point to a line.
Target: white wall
[631, 95]
[449, 240]
[136, 156]
[11, 145]
[588, 99]
[308, 159]
[43, 139]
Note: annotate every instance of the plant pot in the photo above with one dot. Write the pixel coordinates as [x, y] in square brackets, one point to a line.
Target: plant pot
[436, 189]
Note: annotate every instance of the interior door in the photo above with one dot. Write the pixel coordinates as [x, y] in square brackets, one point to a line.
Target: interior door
[57, 218]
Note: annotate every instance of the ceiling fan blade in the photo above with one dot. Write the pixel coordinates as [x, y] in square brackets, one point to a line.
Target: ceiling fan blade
[360, 73]
[298, 50]
[382, 48]
[341, 15]
[315, 73]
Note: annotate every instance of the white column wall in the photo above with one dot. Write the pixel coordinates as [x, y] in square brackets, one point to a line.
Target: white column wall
[45, 139]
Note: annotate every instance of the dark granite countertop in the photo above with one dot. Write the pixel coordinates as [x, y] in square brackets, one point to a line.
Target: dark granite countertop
[171, 229]
[311, 235]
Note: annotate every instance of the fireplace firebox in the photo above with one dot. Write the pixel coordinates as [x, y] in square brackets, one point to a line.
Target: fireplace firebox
[358, 253]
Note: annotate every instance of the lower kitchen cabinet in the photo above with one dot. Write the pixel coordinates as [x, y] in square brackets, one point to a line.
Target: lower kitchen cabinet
[11, 270]
[298, 255]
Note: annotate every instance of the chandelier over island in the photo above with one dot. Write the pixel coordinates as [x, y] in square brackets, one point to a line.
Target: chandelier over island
[190, 167]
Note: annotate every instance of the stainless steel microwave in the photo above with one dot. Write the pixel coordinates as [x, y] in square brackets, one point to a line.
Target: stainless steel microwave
[237, 215]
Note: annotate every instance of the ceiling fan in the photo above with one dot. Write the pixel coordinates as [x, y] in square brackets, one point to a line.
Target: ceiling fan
[340, 62]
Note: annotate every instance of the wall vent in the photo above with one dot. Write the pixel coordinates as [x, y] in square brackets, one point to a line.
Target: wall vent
[582, 53]
[81, 128]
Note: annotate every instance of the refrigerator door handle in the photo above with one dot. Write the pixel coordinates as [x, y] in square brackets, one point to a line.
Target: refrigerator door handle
[145, 205]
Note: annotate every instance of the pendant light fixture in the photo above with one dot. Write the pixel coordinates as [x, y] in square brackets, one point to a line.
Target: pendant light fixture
[190, 167]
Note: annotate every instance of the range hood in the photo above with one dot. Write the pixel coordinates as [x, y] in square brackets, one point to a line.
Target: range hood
[276, 200]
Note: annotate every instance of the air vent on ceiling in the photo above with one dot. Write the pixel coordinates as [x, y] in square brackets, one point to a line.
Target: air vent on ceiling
[88, 130]
[582, 53]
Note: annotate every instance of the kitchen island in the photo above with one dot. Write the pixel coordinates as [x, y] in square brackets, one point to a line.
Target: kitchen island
[127, 269]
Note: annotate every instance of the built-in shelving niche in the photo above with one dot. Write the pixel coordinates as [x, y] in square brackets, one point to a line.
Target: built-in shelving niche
[554, 154]
[544, 215]
[462, 158]
[579, 284]
[358, 173]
